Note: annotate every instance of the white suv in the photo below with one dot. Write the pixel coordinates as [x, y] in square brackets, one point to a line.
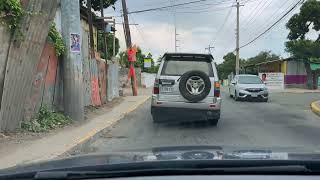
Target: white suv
[186, 88]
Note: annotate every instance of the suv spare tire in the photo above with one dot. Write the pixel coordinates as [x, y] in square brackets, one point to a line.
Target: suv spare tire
[194, 86]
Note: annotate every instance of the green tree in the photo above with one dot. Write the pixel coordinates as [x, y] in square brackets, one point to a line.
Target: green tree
[228, 66]
[263, 56]
[96, 4]
[109, 37]
[299, 46]
[140, 61]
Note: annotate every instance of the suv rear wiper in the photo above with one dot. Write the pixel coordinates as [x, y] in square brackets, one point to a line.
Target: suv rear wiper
[268, 170]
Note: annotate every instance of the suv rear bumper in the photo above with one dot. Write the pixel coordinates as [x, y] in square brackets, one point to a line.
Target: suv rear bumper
[214, 105]
[183, 114]
[185, 110]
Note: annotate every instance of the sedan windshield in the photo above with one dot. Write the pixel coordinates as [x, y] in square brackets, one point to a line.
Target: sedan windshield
[249, 80]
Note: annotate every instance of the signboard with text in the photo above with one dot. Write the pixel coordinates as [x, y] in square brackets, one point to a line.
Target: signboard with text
[273, 80]
[147, 63]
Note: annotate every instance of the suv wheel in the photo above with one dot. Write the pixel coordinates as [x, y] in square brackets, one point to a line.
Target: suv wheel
[195, 86]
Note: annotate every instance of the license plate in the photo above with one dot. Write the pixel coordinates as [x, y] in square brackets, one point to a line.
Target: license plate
[254, 95]
[166, 89]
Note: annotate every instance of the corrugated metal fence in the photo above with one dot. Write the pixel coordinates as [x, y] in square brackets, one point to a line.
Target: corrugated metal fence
[100, 82]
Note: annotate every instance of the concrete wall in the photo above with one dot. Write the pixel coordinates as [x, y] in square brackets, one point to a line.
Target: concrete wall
[147, 79]
[112, 80]
[296, 75]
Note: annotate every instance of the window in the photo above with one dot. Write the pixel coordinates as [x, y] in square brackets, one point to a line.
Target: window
[178, 67]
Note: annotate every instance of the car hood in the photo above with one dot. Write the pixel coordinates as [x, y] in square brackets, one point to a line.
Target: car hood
[245, 86]
[177, 153]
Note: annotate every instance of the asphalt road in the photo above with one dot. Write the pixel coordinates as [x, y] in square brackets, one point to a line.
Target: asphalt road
[284, 122]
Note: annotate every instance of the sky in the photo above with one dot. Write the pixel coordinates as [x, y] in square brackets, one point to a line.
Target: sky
[211, 22]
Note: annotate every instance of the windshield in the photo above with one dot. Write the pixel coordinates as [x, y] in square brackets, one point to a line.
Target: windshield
[179, 67]
[249, 80]
[158, 80]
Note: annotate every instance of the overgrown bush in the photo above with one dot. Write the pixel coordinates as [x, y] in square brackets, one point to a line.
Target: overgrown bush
[11, 13]
[47, 120]
[55, 37]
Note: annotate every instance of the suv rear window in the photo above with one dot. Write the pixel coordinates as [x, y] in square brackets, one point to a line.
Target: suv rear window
[179, 67]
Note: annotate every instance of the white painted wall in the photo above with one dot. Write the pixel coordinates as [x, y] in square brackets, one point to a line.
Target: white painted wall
[147, 79]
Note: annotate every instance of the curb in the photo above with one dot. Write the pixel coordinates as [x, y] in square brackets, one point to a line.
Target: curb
[315, 107]
[93, 133]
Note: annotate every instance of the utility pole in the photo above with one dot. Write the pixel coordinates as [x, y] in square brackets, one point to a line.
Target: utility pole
[114, 38]
[237, 48]
[175, 40]
[209, 48]
[103, 30]
[128, 43]
[72, 64]
[89, 7]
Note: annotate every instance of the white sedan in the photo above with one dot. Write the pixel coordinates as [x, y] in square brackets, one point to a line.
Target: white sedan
[247, 86]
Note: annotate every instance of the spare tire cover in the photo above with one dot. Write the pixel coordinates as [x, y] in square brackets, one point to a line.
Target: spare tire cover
[195, 85]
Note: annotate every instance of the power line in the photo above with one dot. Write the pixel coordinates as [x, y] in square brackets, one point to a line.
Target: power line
[273, 16]
[224, 23]
[275, 23]
[258, 13]
[252, 13]
[166, 7]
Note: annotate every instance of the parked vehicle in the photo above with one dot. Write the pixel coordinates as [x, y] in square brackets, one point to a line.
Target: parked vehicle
[186, 88]
[248, 87]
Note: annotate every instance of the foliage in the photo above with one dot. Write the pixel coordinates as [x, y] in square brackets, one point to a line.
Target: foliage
[96, 4]
[299, 25]
[298, 46]
[263, 56]
[153, 69]
[139, 59]
[306, 50]
[56, 38]
[109, 38]
[46, 121]
[11, 13]
[228, 66]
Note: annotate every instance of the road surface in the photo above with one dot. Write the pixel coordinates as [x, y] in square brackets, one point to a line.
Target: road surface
[284, 122]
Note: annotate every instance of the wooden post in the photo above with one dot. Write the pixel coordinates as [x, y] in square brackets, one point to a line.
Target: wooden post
[129, 44]
[89, 12]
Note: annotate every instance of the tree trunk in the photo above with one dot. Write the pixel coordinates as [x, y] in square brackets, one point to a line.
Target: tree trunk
[22, 60]
[309, 75]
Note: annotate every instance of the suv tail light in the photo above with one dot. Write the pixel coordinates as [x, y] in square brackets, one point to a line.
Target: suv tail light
[156, 86]
[217, 89]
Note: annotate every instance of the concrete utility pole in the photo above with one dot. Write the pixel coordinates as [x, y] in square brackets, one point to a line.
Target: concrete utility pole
[175, 30]
[209, 48]
[89, 6]
[128, 41]
[114, 38]
[237, 49]
[72, 65]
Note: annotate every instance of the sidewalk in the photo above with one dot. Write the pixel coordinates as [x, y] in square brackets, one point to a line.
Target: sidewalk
[296, 90]
[52, 146]
[315, 107]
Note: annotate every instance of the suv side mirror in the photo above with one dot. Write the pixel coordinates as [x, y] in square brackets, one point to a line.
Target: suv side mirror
[233, 82]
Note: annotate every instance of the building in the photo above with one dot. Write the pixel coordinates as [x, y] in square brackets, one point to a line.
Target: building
[294, 71]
